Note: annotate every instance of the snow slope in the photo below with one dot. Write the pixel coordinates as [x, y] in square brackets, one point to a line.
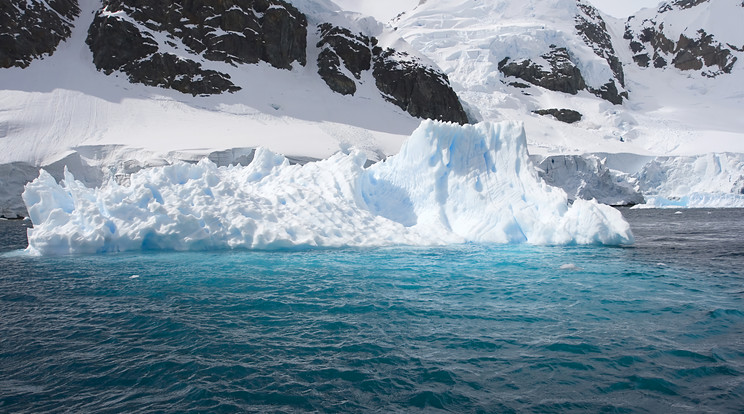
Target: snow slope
[61, 108]
[668, 112]
[61, 111]
[449, 184]
[61, 102]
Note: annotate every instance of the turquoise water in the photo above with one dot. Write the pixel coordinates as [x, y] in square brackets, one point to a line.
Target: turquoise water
[657, 327]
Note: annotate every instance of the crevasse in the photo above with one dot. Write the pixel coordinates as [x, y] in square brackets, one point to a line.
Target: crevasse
[449, 184]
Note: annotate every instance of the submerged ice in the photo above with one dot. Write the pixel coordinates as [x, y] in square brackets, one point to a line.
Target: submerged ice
[448, 184]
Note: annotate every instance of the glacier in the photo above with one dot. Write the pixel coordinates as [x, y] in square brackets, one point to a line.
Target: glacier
[449, 184]
[714, 180]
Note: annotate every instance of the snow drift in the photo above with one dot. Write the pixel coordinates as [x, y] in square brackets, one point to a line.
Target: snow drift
[448, 184]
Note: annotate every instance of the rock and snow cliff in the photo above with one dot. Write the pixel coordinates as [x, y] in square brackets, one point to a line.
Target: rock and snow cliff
[111, 87]
[578, 80]
[32, 29]
[121, 85]
[690, 35]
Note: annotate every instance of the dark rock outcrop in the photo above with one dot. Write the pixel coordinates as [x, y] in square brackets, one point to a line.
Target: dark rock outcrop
[592, 28]
[561, 76]
[693, 54]
[699, 52]
[419, 89]
[340, 46]
[122, 37]
[568, 116]
[233, 31]
[32, 29]
[119, 45]
[169, 44]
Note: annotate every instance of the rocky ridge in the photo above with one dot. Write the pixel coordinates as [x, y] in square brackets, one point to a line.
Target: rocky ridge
[148, 41]
[405, 80]
[172, 44]
[559, 71]
[656, 40]
[32, 29]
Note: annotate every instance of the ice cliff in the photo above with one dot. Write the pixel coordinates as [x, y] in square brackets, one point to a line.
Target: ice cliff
[448, 184]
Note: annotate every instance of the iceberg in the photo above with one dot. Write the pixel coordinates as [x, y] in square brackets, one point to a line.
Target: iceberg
[449, 184]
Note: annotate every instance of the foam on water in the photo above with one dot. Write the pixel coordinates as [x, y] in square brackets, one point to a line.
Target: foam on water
[449, 184]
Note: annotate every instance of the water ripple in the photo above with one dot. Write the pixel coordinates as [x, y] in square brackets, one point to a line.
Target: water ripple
[456, 329]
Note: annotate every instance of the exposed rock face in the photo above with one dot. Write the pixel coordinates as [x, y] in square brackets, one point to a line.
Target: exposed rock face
[138, 38]
[698, 50]
[592, 28]
[119, 45]
[693, 54]
[568, 116]
[123, 37]
[419, 89]
[31, 29]
[402, 79]
[338, 45]
[561, 75]
[233, 31]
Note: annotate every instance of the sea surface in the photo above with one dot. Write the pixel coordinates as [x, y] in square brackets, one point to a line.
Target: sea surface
[657, 327]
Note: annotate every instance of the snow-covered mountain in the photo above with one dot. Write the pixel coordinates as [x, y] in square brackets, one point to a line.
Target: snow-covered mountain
[110, 87]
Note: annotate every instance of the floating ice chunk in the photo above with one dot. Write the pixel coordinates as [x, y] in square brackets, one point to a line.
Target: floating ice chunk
[448, 184]
[696, 200]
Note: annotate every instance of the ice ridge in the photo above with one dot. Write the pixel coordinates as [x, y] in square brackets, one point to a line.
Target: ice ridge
[448, 184]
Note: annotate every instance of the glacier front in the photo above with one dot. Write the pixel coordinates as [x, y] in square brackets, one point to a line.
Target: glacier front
[449, 184]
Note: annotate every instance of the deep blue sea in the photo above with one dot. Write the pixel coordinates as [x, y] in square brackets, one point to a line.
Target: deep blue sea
[657, 327]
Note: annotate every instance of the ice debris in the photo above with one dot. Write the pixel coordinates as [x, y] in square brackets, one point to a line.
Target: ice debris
[449, 184]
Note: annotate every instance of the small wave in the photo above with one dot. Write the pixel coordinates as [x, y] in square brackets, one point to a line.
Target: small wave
[582, 348]
[635, 382]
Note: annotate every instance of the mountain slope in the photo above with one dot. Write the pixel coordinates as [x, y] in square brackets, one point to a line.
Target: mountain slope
[129, 88]
[667, 112]
[136, 84]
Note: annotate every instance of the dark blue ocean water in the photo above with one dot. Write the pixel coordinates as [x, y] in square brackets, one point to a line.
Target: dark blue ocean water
[657, 327]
